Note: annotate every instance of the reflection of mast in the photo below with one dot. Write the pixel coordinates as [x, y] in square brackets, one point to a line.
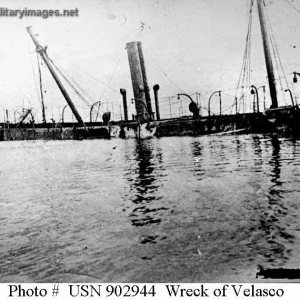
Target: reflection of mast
[42, 51]
[41, 88]
[275, 163]
[268, 58]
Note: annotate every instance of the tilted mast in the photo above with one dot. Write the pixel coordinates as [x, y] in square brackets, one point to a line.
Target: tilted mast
[41, 90]
[42, 51]
[268, 58]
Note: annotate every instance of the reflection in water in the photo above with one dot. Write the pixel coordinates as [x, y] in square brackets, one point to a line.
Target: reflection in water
[271, 221]
[275, 162]
[258, 153]
[144, 173]
[222, 204]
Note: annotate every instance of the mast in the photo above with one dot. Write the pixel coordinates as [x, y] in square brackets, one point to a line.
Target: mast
[268, 58]
[41, 89]
[42, 51]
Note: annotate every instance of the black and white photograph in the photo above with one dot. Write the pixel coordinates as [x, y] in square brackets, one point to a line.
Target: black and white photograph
[150, 141]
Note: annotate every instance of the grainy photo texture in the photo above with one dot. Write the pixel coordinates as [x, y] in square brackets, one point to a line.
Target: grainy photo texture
[149, 141]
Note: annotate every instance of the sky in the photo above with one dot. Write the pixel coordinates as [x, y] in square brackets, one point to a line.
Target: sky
[189, 46]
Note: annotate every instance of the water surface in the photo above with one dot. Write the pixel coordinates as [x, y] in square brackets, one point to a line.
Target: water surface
[182, 209]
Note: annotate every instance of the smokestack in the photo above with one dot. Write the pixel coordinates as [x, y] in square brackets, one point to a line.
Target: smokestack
[123, 93]
[137, 82]
[145, 79]
[155, 89]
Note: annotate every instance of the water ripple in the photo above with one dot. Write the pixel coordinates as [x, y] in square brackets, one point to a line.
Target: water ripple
[168, 209]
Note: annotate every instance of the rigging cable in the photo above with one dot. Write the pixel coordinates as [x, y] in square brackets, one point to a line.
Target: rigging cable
[113, 74]
[170, 79]
[75, 83]
[74, 88]
[284, 75]
[245, 71]
[246, 74]
[296, 9]
[276, 56]
[91, 76]
[35, 81]
[34, 77]
[41, 88]
[249, 56]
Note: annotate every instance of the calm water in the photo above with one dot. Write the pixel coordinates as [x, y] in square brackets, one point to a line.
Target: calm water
[162, 210]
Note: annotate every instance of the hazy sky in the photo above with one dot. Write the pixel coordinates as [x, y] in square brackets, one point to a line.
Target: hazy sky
[189, 46]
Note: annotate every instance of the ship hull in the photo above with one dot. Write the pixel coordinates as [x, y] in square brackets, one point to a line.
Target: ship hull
[282, 121]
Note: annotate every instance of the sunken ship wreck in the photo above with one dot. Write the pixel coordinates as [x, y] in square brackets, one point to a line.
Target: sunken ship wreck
[147, 121]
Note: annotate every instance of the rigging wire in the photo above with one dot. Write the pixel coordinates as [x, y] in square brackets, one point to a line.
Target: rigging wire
[79, 87]
[73, 87]
[89, 75]
[41, 88]
[296, 9]
[75, 83]
[113, 74]
[245, 71]
[170, 79]
[111, 77]
[249, 57]
[246, 76]
[34, 76]
[280, 62]
[276, 55]
[35, 82]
